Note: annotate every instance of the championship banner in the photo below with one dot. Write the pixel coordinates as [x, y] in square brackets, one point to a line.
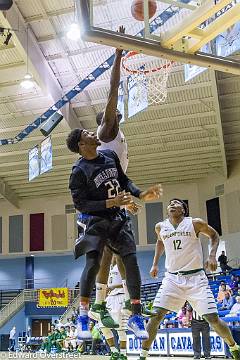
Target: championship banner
[55, 297]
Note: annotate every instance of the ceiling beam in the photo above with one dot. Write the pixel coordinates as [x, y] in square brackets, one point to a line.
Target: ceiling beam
[9, 194]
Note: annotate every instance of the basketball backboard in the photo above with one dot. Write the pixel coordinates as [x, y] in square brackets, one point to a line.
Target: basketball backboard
[178, 30]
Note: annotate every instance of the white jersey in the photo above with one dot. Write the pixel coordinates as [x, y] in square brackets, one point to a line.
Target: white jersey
[114, 278]
[119, 146]
[182, 247]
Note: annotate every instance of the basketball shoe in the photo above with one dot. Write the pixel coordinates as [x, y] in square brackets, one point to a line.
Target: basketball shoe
[82, 328]
[235, 353]
[99, 312]
[136, 325]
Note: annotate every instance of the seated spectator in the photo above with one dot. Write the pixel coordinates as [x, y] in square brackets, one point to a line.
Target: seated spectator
[223, 283]
[57, 324]
[222, 292]
[61, 338]
[67, 338]
[235, 310]
[185, 317]
[223, 262]
[233, 284]
[228, 302]
[72, 338]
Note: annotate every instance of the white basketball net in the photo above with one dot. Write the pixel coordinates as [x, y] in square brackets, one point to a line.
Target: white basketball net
[153, 70]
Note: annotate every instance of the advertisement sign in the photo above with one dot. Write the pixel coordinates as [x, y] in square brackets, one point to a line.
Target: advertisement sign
[159, 346]
[54, 297]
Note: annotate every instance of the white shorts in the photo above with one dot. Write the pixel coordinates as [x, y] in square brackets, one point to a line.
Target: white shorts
[194, 288]
[114, 304]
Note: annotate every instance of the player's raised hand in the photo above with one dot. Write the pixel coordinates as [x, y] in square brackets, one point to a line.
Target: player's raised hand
[211, 263]
[154, 271]
[152, 193]
[134, 208]
[121, 29]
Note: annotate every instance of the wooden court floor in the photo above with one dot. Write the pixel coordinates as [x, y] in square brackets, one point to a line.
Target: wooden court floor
[6, 355]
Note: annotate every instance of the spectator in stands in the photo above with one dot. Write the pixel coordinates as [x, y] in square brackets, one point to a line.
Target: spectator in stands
[224, 283]
[61, 338]
[235, 310]
[222, 292]
[185, 316]
[96, 338]
[233, 284]
[57, 324]
[223, 262]
[228, 302]
[12, 339]
[73, 335]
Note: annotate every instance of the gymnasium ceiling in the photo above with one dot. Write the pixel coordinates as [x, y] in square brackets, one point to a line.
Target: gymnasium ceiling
[194, 134]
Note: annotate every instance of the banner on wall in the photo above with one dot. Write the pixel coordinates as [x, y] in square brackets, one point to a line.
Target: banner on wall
[54, 297]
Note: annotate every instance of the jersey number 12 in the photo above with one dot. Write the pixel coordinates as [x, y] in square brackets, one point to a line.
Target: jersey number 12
[177, 244]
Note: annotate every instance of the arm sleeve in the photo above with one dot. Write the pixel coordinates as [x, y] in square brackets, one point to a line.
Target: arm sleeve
[125, 182]
[78, 187]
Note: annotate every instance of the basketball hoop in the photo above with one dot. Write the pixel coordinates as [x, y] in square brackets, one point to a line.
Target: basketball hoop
[143, 68]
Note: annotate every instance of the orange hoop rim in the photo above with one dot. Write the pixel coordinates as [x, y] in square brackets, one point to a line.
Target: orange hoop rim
[145, 72]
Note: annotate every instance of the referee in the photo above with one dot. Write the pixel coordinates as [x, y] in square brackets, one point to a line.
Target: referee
[199, 325]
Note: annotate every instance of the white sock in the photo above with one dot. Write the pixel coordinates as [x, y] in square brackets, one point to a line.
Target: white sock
[125, 289]
[113, 349]
[123, 351]
[83, 309]
[144, 353]
[101, 292]
[234, 347]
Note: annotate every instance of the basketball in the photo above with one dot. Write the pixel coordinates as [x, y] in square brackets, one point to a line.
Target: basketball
[137, 9]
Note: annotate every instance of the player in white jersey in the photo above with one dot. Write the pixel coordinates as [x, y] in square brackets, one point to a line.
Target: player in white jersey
[115, 304]
[185, 278]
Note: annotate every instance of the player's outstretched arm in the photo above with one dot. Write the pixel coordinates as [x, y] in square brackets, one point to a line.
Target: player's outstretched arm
[159, 250]
[110, 124]
[202, 227]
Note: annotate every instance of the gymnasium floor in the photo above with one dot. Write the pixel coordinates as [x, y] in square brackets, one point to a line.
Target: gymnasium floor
[5, 355]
